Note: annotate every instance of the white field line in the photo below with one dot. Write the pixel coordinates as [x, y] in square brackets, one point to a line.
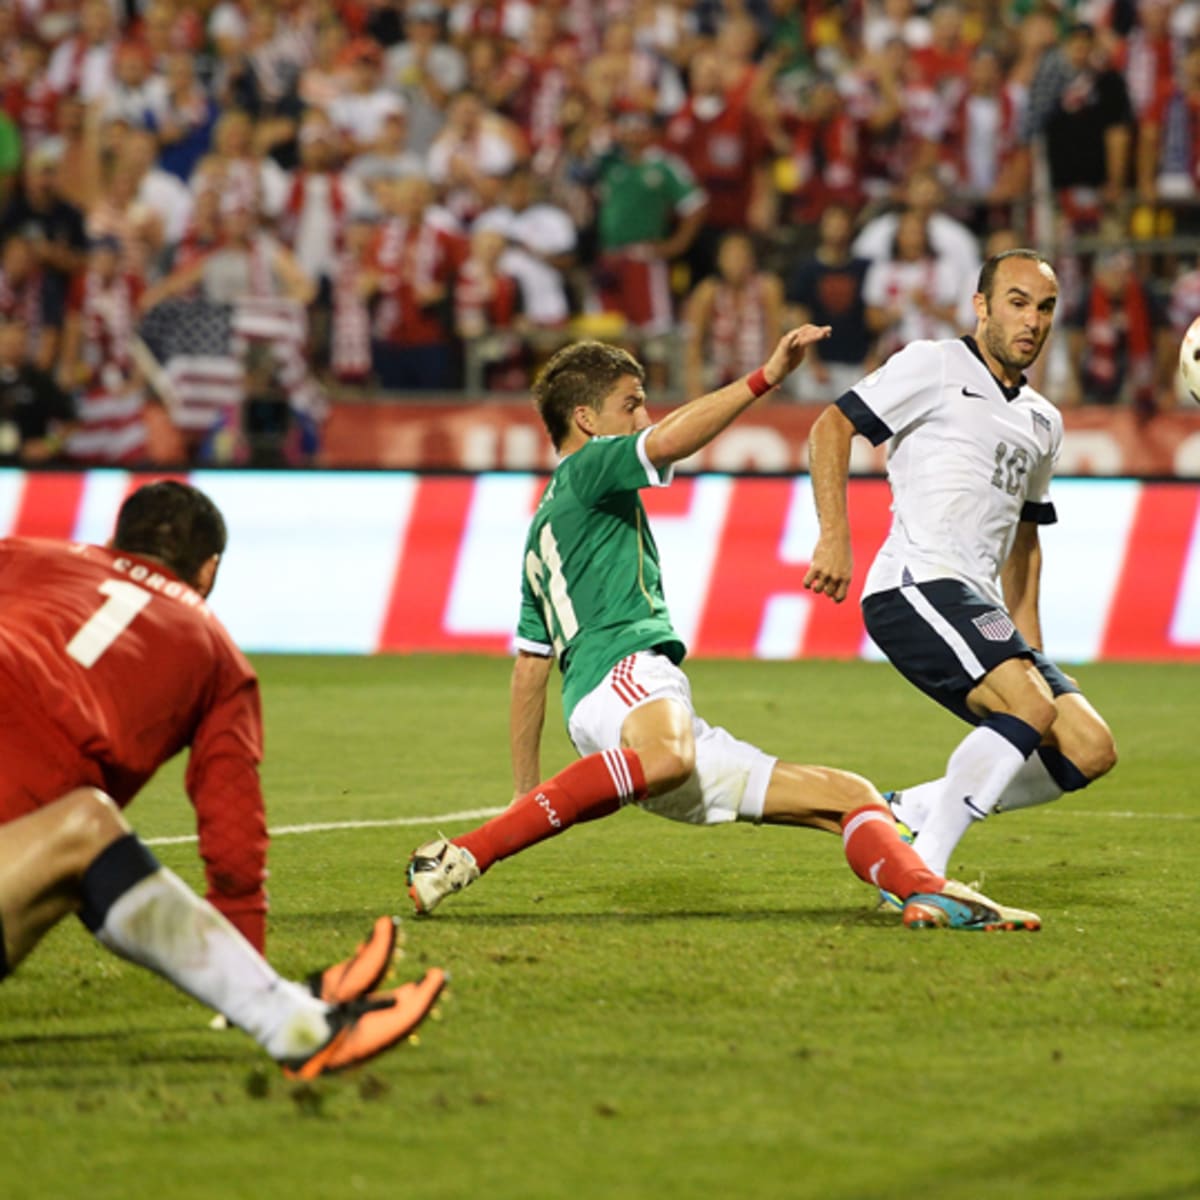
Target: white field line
[467, 814]
[474, 814]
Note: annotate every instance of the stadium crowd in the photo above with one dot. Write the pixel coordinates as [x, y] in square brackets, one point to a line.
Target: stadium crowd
[214, 215]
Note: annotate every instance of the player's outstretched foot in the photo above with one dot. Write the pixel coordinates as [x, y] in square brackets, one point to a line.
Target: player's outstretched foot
[363, 971]
[366, 1027]
[437, 869]
[957, 906]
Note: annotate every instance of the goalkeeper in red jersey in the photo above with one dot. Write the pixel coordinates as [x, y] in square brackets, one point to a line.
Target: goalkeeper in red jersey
[110, 663]
[593, 603]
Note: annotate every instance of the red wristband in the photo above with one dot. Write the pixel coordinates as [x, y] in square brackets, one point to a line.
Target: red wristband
[757, 382]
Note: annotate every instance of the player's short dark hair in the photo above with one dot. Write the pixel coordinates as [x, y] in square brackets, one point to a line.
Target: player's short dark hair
[987, 275]
[173, 522]
[582, 373]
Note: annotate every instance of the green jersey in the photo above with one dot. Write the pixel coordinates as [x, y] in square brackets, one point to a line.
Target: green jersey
[592, 587]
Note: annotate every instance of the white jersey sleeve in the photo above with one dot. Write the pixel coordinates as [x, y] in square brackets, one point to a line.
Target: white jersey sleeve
[898, 395]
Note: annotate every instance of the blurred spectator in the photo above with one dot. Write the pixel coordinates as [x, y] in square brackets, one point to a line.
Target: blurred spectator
[311, 210]
[1113, 339]
[350, 333]
[30, 99]
[97, 360]
[1148, 56]
[549, 66]
[983, 141]
[160, 192]
[233, 169]
[649, 210]
[311, 215]
[1080, 107]
[942, 62]
[950, 240]
[54, 227]
[10, 156]
[624, 73]
[540, 248]
[35, 413]
[25, 297]
[413, 266]
[389, 157]
[733, 318]
[1169, 139]
[912, 294]
[184, 115]
[882, 101]
[725, 145]
[426, 71]
[824, 160]
[469, 159]
[326, 77]
[364, 104]
[827, 289]
[471, 19]
[83, 62]
[130, 96]
[487, 308]
[888, 20]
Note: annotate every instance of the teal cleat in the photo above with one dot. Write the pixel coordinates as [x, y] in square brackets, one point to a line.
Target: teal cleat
[960, 907]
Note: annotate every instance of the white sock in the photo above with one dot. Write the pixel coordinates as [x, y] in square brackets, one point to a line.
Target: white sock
[162, 924]
[978, 771]
[1030, 786]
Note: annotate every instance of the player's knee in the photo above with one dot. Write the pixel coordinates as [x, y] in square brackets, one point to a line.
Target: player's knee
[1040, 712]
[90, 822]
[1096, 755]
[668, 766]
[848, 791]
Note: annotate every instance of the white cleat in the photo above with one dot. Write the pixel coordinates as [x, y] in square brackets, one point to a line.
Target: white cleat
[957, 906]
[437, 869]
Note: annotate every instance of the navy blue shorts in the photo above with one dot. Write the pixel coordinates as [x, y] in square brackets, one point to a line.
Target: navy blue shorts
[944, 638]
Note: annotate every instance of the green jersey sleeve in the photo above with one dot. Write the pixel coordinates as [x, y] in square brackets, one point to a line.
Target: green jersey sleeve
[607, 466]
[532, 634]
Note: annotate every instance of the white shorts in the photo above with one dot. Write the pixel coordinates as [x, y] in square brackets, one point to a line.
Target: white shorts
[731, 776]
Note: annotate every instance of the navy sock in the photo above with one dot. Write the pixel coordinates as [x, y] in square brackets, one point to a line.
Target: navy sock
[113, 872]
[1062, 770]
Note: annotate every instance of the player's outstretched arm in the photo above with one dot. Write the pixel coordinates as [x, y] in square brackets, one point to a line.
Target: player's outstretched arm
[693, 425]
[829, 465]
[526, 717]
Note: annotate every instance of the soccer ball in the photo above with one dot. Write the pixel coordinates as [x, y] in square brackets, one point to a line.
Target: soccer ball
[1189, 361]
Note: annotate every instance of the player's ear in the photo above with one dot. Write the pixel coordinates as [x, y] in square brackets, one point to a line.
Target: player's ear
[206, 576]
[585, 419]
[979, 300]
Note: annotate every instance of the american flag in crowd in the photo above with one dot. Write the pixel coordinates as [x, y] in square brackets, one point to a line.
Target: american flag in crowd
[193, 340]
[201, 346]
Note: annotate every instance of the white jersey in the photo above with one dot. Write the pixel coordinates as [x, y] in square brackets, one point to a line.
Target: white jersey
[968, 459]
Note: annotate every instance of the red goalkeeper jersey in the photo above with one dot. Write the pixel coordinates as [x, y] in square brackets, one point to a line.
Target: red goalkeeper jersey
[109, 665]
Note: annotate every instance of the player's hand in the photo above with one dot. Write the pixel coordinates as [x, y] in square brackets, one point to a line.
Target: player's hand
[831, 567]
[789, 353]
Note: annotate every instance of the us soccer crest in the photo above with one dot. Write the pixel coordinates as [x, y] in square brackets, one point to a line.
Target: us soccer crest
[996, 625]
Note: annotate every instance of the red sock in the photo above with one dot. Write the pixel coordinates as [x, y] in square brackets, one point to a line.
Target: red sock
[878, 856]
[592, 787]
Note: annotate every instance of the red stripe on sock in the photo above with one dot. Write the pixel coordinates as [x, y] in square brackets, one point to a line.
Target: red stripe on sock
[878, 856]
[584, 791]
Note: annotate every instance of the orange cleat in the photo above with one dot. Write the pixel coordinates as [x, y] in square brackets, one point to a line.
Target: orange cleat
[363, 971]
[366, 1027]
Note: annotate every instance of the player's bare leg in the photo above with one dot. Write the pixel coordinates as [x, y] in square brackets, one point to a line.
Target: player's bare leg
[43, 857]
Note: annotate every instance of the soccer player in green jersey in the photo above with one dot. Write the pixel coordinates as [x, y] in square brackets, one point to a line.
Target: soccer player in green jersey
[592, 601]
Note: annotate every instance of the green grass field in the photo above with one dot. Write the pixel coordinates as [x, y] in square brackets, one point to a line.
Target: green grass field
[641, 1009]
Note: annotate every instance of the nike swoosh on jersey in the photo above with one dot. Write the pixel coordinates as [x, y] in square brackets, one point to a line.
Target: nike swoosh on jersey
[973, 395]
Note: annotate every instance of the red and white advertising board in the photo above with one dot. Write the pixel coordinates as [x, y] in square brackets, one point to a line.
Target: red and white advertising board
[362, 562]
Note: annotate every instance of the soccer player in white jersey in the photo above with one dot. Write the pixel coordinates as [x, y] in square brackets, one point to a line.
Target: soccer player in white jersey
[952, 596]
[592, 601]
